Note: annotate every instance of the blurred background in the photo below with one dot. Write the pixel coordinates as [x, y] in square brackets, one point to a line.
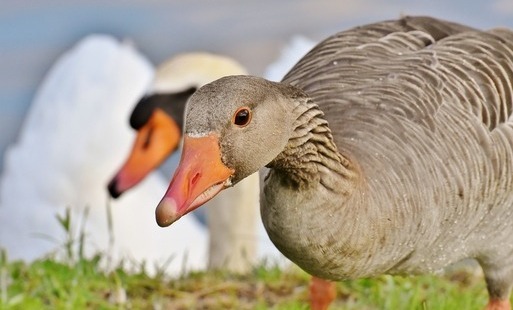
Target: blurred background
[34, 33]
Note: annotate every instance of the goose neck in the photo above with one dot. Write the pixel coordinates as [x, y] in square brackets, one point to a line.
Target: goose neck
[311, 156]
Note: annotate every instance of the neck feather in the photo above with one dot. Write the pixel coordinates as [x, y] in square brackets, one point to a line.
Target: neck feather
[311, 155]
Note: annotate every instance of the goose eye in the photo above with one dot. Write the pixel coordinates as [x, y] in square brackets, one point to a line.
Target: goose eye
[242, 117]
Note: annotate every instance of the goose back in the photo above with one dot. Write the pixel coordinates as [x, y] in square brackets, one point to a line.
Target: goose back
[422, 108]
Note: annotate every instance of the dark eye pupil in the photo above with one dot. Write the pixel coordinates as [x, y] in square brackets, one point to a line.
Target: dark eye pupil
[242, 117]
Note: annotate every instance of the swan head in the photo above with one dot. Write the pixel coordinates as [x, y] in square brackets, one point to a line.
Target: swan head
[158, 117]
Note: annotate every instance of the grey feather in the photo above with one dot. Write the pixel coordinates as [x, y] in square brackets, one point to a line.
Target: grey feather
[393, 155]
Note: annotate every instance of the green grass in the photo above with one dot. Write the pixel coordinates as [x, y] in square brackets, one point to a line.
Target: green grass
[77, 282]
[48, 284]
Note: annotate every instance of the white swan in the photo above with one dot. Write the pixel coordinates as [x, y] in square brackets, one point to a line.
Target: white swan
[71, 141]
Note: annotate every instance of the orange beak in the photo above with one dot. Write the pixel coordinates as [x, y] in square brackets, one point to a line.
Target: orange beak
[199, 177]
[155, 141]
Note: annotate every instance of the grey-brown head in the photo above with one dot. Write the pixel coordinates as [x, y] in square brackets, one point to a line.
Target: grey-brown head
[234, 126]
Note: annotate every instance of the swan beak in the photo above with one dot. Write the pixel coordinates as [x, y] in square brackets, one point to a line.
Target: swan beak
[154, 142]
[199, 177]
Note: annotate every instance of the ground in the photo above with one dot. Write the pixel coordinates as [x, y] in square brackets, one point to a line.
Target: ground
[82, 284]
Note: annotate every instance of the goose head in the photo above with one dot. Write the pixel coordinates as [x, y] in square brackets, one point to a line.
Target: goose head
[158, 117]
[234, 126]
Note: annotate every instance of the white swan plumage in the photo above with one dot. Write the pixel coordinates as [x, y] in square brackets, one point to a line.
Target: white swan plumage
[71, 141]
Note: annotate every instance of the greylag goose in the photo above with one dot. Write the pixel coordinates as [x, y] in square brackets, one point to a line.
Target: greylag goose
[157, 118]
[390, 148]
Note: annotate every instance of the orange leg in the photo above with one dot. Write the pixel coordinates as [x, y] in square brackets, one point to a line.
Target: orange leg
[322, 293]
[498, 304]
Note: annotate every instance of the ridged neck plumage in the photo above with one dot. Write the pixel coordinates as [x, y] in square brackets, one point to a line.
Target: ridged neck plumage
[309, 200]
[311, 156]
